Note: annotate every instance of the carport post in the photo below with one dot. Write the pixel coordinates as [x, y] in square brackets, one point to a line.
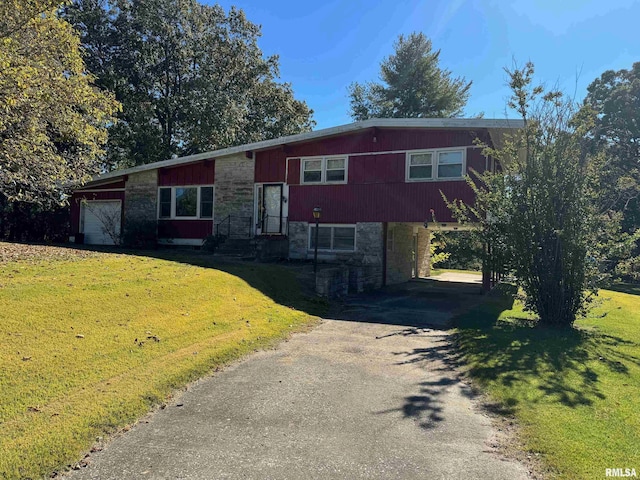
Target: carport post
[316, 214]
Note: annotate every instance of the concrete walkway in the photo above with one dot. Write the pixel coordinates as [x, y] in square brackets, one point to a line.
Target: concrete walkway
[355, 398]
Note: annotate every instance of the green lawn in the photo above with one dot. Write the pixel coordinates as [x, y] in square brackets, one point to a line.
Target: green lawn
[576, 394]
[90, 342]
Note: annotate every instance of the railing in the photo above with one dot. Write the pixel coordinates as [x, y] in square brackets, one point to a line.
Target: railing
[233, 226]
[274, 225]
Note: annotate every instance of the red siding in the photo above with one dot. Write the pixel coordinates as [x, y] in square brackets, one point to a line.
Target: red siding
[270, 166]
[376, 202]
[377, 191]
[184, 228]
[74, 204]
[106, 186]
[475, 160]
[293, 177]
[376, 168]
[201, 173]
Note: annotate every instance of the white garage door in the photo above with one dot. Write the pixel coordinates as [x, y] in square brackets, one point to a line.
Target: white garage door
[101, 222]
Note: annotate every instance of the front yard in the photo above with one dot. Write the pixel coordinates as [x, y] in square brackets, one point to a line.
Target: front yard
[574, 393]
[90, 341]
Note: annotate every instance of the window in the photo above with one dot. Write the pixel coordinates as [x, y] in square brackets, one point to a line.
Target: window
[335, 169]
[435, 165]
[206, 202]
[450, 164]
[185, 202]
[165, 203]
[311, 171]
[420, 166]
[333, 237]
[324, 170]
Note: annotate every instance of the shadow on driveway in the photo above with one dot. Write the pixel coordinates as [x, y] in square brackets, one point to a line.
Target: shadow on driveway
[419, 303]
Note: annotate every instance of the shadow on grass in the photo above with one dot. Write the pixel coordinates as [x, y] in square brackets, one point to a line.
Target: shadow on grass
[546, 364]
[630, 288]
[284, 285]
[520, 360]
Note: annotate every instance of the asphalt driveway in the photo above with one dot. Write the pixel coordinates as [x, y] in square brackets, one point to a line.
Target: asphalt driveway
[370, 394]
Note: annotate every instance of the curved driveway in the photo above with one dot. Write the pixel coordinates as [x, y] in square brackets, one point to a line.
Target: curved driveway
[371, 395]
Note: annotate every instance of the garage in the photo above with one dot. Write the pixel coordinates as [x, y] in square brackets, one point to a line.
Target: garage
[101, 222]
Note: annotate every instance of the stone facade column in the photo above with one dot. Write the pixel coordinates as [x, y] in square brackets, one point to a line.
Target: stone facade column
[424, 252]
[400, 253]
[298, 240]
[234, 193]
[141, 207]
[370, 245]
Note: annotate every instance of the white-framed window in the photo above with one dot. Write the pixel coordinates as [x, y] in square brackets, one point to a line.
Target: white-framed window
[436, 164]
[335, 238]
[185, 202]
[323, 170]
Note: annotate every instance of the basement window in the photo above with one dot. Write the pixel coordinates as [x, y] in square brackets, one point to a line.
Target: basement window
[338, 238]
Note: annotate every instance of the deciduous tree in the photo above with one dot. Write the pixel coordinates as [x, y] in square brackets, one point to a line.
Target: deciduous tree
[614, 98]
[539, 212]
[191, 78]
[52, 119]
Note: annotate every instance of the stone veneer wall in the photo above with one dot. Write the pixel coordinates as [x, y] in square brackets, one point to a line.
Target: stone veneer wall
[400, 258]
[369, 245]
[234, 192]
[298, 240]
[141, 196]
[364, 265]
[424, 252]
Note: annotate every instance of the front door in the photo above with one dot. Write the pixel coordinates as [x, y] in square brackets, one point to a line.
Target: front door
[271, 209]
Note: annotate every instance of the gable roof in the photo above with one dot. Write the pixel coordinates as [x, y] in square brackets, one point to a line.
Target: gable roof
[449, 123]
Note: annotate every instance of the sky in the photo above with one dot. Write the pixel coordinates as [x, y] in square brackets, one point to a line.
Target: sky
[324, 46]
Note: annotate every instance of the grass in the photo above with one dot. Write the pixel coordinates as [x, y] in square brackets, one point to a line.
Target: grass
[574, 392]
[89, 344]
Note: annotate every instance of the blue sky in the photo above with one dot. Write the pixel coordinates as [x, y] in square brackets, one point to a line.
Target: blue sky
[324, 46]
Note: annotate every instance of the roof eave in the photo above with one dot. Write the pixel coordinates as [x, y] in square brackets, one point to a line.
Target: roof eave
[456, 123]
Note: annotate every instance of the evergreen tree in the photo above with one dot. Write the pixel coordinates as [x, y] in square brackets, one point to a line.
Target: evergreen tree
[413, 85]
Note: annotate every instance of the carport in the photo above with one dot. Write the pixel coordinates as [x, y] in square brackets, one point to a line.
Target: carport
[423, 302]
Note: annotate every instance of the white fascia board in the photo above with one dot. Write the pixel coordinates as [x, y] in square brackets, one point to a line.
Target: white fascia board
[462, 123]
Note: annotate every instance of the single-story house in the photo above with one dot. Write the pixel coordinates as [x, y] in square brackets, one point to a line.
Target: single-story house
[377, 182]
